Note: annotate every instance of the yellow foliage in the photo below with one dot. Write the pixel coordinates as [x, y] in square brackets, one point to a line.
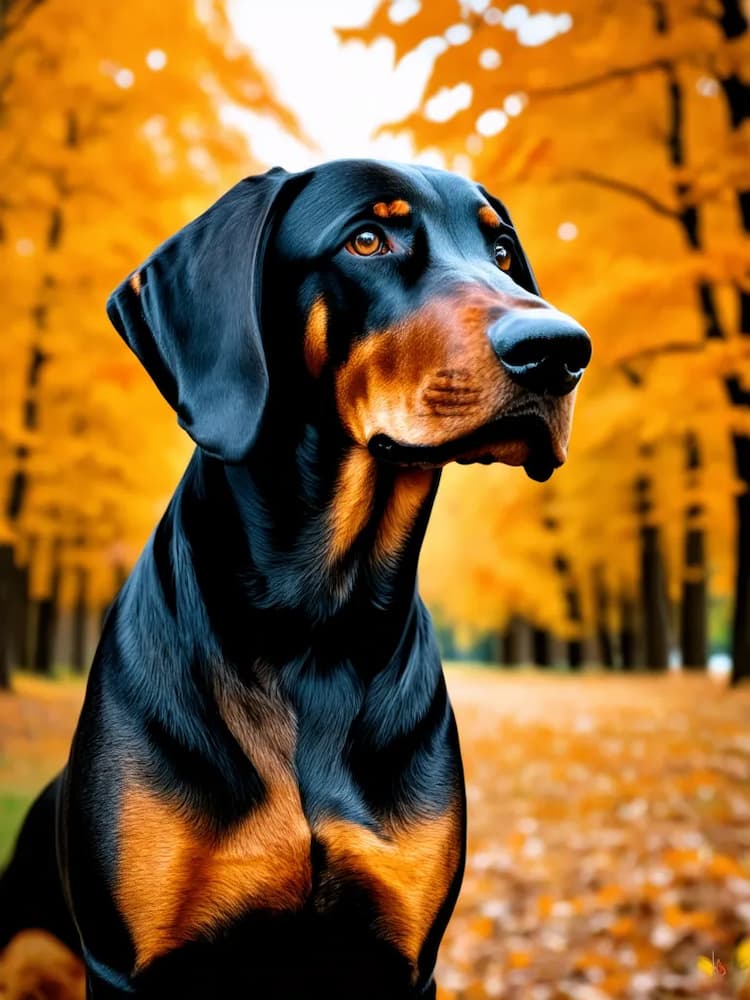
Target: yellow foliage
[110, 140]
[586, 156]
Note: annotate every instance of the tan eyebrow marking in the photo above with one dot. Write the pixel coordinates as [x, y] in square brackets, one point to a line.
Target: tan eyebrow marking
[397, 207]
[489, 217]
[135, 282]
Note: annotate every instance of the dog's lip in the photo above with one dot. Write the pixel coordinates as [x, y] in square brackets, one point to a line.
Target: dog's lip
[522, 438]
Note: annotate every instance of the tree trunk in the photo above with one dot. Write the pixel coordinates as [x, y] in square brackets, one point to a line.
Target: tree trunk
[78, 638]
[517, 642]
[6, 590]
[38, 358]
[693, 622]
[603, 629]
[508, 650]
[741, 624]
[694, 612]
[573, 602]
[572, 597]
[46, 623]
[541, 647]
[733, 23]
[46, 620]
[653, 587]
[575, 654]
[605, 646]
[628, 633]
[654, 600]
[20, 624]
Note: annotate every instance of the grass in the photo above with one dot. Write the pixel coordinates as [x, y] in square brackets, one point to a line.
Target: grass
[13, 806]
[36, 723]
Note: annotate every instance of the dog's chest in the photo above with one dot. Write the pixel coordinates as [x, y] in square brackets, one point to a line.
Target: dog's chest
[176, 886]
[176, 883]
[405, 870]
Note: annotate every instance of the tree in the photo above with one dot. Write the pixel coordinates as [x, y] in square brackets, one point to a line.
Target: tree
[127, 144]
[613, 132]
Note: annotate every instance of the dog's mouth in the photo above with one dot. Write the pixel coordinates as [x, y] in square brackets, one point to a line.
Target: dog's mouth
[519, 439]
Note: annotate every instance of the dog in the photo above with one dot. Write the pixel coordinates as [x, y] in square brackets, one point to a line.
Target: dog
[264, 796]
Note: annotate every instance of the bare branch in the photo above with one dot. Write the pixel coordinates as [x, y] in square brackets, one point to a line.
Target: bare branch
[622, 187]
[618, 73]
[634, 377]
[14, 13]
[656, 350]
[631, 375]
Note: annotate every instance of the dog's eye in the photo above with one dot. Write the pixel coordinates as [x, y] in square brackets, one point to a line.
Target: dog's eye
[503, 254]
[367, 243]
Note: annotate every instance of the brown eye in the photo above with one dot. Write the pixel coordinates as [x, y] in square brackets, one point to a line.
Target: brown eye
[503, 255]
[367, 243]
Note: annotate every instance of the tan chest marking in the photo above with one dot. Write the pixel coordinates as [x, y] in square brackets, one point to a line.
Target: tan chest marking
[352, 503]
[316, 337]
[177, 882]
[410, 490]
[408, 871]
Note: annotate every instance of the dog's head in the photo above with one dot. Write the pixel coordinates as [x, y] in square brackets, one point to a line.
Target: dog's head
[401, 295]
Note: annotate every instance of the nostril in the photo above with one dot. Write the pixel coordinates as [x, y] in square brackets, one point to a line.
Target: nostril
[541, 349]
[577, 353]
[531, 351]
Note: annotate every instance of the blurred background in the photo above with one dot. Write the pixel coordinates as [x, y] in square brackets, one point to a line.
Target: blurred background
[617, 133]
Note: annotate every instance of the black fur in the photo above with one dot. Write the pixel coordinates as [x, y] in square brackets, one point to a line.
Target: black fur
[233, 576]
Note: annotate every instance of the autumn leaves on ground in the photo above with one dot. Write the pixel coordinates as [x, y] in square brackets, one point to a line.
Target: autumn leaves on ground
[609, 833]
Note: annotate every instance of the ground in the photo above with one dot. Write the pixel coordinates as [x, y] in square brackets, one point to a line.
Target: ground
[609, 831]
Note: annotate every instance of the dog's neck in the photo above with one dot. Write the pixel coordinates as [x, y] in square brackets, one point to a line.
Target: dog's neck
[314, 546]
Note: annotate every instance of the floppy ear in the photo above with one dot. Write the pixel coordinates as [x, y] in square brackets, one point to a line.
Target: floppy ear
[191, 314]
[529, 281]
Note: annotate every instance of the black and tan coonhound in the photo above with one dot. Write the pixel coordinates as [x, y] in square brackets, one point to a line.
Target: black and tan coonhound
[264, 797]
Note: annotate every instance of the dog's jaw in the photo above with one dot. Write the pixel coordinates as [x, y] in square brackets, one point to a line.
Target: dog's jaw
[534, 436]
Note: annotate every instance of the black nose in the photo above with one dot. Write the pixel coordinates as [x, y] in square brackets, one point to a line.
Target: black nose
[541, 349]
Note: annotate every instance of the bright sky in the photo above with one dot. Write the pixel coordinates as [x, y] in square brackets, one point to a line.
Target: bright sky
[340, 93]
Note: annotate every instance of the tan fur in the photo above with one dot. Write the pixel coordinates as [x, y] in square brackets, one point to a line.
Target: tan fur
[316, 337]
[407, 869]
[176, 881]
[36, 965]
[434, 378]
[410, 490]
[352, 501]
[489, 217]
[387, 209]
[388, 384]
[450, 391]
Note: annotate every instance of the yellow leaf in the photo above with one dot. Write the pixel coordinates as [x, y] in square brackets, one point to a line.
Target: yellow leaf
[705, 965]
[742, 955]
